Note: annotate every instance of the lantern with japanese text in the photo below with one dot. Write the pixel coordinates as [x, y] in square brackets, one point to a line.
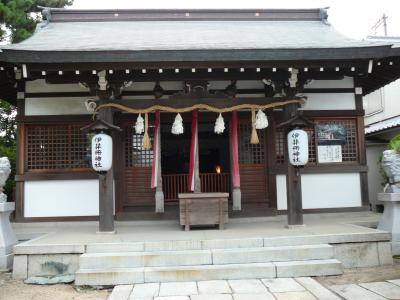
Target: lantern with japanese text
[102, 152]
[298, 147]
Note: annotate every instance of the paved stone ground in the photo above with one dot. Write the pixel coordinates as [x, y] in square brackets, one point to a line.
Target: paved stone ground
[303, 288]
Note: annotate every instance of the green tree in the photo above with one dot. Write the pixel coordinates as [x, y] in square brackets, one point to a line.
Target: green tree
[18, 18]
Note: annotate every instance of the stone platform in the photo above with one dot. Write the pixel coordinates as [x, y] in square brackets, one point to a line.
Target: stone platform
[161, 252]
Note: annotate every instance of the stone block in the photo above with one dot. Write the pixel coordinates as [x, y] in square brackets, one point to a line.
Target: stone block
[121, 292]
[317, 289]
[295, 295]
[385, 289]
[265, 296]
[174, 245]
[249, 286]
[6, 261]
[308, 268]
[211, 297]
[52, 264]
[178, 289]
[114, 247]
[271, 254]
[209, 272]
[26, 248]
[232, 243]
[213, 287]
[356, 255]
[353, 291]
[20, 267]
[281, 285]
[172, 298]
[145, 290]
[109, 277]
[145, 259]
[385, 253]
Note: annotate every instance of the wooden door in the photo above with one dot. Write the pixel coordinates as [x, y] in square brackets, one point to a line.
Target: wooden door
[137, 175]
[252, 165]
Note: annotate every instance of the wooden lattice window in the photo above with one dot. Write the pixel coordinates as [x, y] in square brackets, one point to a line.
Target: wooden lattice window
[249, 153]
[135, 155]
[349, 148]
[56, 147]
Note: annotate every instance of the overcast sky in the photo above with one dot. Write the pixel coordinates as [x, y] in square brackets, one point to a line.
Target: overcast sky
[353, 18]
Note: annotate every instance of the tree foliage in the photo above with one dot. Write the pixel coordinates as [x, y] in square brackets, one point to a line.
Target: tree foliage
[18, 18]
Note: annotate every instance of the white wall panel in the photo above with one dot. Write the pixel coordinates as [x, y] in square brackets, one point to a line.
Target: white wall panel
[55, 106]
[345, 83]
[331, 101]
[40, 86]
[324, 190]
[56, 198]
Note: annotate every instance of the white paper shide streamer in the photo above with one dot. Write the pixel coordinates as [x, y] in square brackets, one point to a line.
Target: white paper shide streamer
[139, 126]
[261, 120]
[219, 125]
[177, 127]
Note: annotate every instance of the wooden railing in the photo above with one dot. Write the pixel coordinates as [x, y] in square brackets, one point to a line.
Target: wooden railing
[173, 184]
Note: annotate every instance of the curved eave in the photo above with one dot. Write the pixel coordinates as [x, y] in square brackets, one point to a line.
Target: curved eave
[179, 56]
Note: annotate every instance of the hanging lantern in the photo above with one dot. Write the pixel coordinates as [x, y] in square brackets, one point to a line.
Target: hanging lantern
[219, 125]
[139, 126]
[102, 152]
[261, 120]
[298, 147]
[177, 127]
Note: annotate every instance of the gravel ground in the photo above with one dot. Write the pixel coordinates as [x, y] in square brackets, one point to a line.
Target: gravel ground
[359, 275]
[16, 290]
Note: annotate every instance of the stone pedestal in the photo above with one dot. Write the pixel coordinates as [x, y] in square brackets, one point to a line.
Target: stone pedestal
[390, 220]
[7, 236]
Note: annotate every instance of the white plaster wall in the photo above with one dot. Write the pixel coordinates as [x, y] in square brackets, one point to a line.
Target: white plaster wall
[332, 101]
[58, 198]
[324, 190]
[58, 106]
[384, 103]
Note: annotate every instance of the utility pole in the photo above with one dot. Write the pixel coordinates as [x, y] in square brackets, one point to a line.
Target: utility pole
[381, 21]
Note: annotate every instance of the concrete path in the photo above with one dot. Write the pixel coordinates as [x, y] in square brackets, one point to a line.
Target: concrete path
[303, 288]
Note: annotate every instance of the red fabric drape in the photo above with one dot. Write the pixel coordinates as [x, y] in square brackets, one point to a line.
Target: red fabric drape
[156, 151]
[234, 150]
[193, 152]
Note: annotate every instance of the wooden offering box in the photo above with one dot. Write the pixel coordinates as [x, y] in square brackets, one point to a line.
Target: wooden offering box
[203, 209]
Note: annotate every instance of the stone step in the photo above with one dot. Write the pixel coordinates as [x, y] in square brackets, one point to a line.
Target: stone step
[204, 257]
[115, 276]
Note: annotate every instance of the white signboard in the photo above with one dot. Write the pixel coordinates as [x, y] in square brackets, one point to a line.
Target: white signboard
[330, 153]
[298, 147]
[102, 152]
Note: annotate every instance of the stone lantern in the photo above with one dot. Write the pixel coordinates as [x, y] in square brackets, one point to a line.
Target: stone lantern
[7, 236]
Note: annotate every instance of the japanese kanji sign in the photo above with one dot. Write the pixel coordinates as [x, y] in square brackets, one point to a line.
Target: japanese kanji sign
[298, 147]
[101, 152]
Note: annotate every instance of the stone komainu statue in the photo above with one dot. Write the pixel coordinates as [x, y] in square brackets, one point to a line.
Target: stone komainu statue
[5, 170]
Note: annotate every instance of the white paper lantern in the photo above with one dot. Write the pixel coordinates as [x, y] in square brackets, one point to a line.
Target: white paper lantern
[102, 152]
[177, 126]
[261, 120]
[219, 126]
[298, 147]
[139, 126]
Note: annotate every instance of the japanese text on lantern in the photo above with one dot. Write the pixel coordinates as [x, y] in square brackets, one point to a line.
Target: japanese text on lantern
[295, 147]
[98, 152]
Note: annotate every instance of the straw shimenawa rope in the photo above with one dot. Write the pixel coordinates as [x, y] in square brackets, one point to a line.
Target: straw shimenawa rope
[200, 106]
[254, 137]
[146, 138]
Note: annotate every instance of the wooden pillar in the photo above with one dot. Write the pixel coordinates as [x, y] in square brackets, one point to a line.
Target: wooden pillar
[197, 182]
[234, 160]
[293, 180]
[106, 181]
[159, 195]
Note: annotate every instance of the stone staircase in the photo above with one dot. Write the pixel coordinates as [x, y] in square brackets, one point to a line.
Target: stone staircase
[113, 265]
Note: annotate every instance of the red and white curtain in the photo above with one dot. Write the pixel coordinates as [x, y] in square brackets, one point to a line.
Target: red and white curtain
[234, 151]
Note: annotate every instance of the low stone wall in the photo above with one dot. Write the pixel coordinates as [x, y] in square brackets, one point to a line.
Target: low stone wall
[366, 254]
